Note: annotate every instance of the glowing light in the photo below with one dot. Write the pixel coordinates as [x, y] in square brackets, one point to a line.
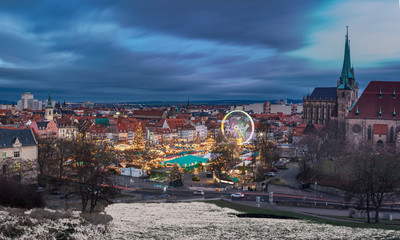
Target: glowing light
[238, 127]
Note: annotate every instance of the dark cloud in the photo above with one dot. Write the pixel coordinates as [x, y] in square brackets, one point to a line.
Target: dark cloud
[85, 50]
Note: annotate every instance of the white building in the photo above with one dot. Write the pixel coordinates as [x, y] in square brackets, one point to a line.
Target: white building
[28, 102]
[19, 154]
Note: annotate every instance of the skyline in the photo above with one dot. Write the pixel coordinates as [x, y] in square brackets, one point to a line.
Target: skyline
[106, 51]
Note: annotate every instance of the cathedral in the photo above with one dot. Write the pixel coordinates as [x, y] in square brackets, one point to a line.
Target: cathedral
[371, 120]
[333, 103]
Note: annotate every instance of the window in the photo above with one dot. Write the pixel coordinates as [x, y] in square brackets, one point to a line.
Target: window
[369, 133]
[17, 166]
[16, 154]
[4, 168]
[4, 155]
[391, 135]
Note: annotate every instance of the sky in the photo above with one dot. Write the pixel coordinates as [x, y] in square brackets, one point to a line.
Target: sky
[142, 50]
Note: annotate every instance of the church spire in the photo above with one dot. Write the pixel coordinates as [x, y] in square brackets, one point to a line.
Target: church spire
[347, 68]
[49, 104]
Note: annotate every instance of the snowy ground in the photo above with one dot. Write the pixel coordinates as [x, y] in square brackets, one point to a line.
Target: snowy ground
[48, 224]
[199, 220]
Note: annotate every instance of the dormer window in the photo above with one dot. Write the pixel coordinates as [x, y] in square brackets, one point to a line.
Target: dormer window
[380, 93]
[394, 93]
[380, 112]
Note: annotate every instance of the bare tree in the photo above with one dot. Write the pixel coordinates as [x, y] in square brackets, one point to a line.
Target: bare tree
[375, 178]
[47, 152]
[63, 153]
[308, 149]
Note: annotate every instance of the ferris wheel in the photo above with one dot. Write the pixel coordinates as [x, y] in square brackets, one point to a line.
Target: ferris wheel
[237, 127]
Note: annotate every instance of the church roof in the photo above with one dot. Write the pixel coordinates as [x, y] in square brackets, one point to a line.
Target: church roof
[380, 129]
[324, 93]
[378, 97]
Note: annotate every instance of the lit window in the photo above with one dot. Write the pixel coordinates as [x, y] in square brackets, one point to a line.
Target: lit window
[16, 154]
[17, 166]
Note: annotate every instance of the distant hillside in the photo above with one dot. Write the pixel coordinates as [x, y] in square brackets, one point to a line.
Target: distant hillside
[208, 102]
[5, 102]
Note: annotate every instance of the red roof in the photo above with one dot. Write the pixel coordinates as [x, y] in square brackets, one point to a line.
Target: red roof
[147, 113]
[378, 97]
[380, 129]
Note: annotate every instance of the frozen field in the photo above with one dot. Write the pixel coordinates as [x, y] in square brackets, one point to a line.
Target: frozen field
[199, 220]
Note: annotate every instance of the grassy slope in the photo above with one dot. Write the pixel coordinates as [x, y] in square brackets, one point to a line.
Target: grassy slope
[248, 209]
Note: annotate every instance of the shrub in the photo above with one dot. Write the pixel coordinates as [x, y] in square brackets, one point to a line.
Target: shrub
[96, 218]
[40, 214]
[14, 194]
[11, 230]
[195, 178]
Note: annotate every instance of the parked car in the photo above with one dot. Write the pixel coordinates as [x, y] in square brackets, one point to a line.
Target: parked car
[273, 170]
[64, 196]
[165, 196]
[270, 174]
[237, 195]
[199, 192]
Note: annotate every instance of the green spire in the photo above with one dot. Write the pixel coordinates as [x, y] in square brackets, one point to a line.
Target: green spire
[394, 111]
[394, 93]
[346, 70]
[49, 101]
[380, 111]
[357, 111]
[380, 92]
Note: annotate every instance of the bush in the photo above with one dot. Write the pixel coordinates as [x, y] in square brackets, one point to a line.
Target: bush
[96, 218]
[195, 178]
[40, 214]
[14, 194]
[11, 230]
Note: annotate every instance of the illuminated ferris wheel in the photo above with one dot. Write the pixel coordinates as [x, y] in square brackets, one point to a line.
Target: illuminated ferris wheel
[237, 127]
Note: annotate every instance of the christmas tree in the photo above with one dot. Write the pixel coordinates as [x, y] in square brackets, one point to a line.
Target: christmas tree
[176, 177]
[139, 143]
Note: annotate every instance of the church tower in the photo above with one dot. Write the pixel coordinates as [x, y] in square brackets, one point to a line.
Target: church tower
[347, 88]
[188, 107]
[48, 114]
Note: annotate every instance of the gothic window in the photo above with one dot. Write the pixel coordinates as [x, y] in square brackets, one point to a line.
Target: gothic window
[311, 113]
[323, 114]
[342, 94]
[316, 114]
[4, 168]
[380, 143]
[391, 135]
[356, 128]
[369, 133]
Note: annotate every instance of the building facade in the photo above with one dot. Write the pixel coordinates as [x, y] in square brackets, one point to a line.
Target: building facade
[19, 153]
[373, 120]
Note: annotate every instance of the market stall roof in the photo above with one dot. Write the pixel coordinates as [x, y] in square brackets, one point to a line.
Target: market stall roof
[186, 161]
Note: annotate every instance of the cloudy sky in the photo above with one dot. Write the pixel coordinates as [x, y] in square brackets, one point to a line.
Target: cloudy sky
[143, 50]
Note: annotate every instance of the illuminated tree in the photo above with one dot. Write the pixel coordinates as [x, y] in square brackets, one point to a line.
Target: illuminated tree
[176, 177]
[139, 143]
